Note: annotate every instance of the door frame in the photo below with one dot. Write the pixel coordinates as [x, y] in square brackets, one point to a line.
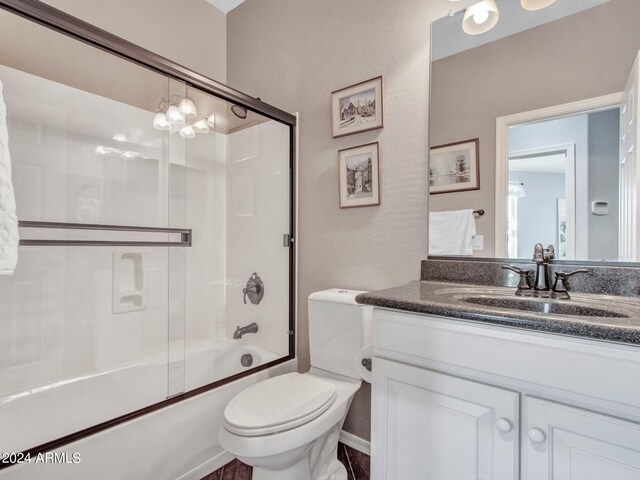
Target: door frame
[569, 150]
[503, 124]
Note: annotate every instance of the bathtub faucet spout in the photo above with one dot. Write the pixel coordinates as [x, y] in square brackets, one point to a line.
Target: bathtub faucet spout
[240, 331]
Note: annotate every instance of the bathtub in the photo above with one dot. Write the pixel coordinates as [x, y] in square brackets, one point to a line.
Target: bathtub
[208, 363]
[179, 441]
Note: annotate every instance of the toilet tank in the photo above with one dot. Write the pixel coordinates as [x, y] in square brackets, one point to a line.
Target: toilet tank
[338, 328]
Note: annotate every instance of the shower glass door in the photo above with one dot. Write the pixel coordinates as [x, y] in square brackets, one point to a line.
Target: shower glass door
[145, 206]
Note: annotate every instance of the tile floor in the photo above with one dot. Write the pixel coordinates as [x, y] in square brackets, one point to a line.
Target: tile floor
[357, 465]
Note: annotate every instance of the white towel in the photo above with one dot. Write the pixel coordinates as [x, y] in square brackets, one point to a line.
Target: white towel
[451, 233]
[9, 237]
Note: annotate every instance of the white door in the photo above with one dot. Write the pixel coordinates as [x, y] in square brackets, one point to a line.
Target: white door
[629, 248]
[567, 443]
[431, 426]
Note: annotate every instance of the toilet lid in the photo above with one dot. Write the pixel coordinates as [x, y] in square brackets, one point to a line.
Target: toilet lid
[278, 404]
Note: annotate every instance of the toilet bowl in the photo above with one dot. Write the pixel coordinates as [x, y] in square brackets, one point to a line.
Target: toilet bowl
[287, 427]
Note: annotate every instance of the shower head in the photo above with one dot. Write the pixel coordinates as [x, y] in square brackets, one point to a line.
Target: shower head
[238, 111]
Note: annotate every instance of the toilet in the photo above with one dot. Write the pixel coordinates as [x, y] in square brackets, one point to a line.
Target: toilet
[287, 427]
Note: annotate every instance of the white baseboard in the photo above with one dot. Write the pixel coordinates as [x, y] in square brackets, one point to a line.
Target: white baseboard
[356, 443]
[207, 467]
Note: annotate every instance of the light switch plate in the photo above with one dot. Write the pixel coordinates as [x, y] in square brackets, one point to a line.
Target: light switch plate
[478, 242]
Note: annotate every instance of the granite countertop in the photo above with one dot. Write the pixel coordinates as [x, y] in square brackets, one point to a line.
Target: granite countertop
[446, 299]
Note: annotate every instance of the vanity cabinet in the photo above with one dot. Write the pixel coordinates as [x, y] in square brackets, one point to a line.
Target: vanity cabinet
[460, 400]
[564, 442]
[443, 427]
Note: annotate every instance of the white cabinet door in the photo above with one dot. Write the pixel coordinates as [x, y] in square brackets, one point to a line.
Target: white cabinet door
[567, 443]
[431, 426]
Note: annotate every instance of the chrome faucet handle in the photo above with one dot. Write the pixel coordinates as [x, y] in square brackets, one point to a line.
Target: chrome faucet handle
[549, 253]
[524, 285]
[538, 253]
[543, 255]
[560, 290]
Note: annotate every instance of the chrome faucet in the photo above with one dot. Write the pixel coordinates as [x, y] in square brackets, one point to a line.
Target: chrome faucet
[240, 331]
[541, 257]
[561, 287]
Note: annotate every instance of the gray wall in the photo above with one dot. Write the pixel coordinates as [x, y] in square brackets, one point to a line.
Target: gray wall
[604, 131]
[190, 32]
[294, 53]
[582, 56]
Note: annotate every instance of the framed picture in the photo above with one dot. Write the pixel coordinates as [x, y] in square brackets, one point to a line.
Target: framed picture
[454, 167]
[357, 108]
[359, 170]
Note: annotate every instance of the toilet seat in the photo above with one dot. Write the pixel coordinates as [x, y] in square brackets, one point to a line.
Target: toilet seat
[278, 404]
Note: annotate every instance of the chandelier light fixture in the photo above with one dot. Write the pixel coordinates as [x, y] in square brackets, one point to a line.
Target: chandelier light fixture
[172, 116]
[187, 108]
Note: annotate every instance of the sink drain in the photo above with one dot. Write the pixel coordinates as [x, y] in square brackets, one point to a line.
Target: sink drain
[246, 360]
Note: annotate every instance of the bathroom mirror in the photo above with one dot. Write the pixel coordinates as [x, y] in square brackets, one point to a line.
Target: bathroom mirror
[550, 96]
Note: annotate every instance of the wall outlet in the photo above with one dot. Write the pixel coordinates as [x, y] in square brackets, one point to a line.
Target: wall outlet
[478, 242]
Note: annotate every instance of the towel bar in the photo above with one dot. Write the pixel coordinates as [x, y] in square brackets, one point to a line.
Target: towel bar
[185, 235]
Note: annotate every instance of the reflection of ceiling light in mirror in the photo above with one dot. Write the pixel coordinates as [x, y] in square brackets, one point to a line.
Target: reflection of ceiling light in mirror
[480, 17]
[535, 4]
[188, 108]
[105, 151]
[120, 137]
[211, 120]
[187, 132]
[160, 121]
[201, 126]
[174, 117]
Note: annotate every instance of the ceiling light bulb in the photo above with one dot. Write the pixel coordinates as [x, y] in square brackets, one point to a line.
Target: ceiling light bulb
[211, 120]
[188, 108]
[187, 132]
[480, 17]
[174, 116]
[535, 4]
[160, 121]
[119, 137]
[201, 126]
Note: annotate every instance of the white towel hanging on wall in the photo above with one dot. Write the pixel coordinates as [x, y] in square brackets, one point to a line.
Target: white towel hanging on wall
[451, 233]
[9, 236]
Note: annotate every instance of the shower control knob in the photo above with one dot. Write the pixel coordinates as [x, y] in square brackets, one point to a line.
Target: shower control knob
[254, 289]
[504, 425]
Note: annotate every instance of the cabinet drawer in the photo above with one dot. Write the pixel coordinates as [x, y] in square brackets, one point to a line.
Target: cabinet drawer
[428, 426]
[585, 372]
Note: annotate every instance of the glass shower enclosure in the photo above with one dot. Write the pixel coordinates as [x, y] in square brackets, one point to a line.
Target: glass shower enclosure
[155, 208]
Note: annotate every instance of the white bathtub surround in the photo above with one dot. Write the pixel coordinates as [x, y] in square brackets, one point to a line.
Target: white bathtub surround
[9, 237]
[451, 233]
[175, 443]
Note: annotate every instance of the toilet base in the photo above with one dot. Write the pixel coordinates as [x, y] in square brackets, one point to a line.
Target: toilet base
[315, 461]
[301, 471]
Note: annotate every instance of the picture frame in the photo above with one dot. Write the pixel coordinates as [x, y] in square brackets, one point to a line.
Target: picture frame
[359, 176]
[454, 167]
[358, 108]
